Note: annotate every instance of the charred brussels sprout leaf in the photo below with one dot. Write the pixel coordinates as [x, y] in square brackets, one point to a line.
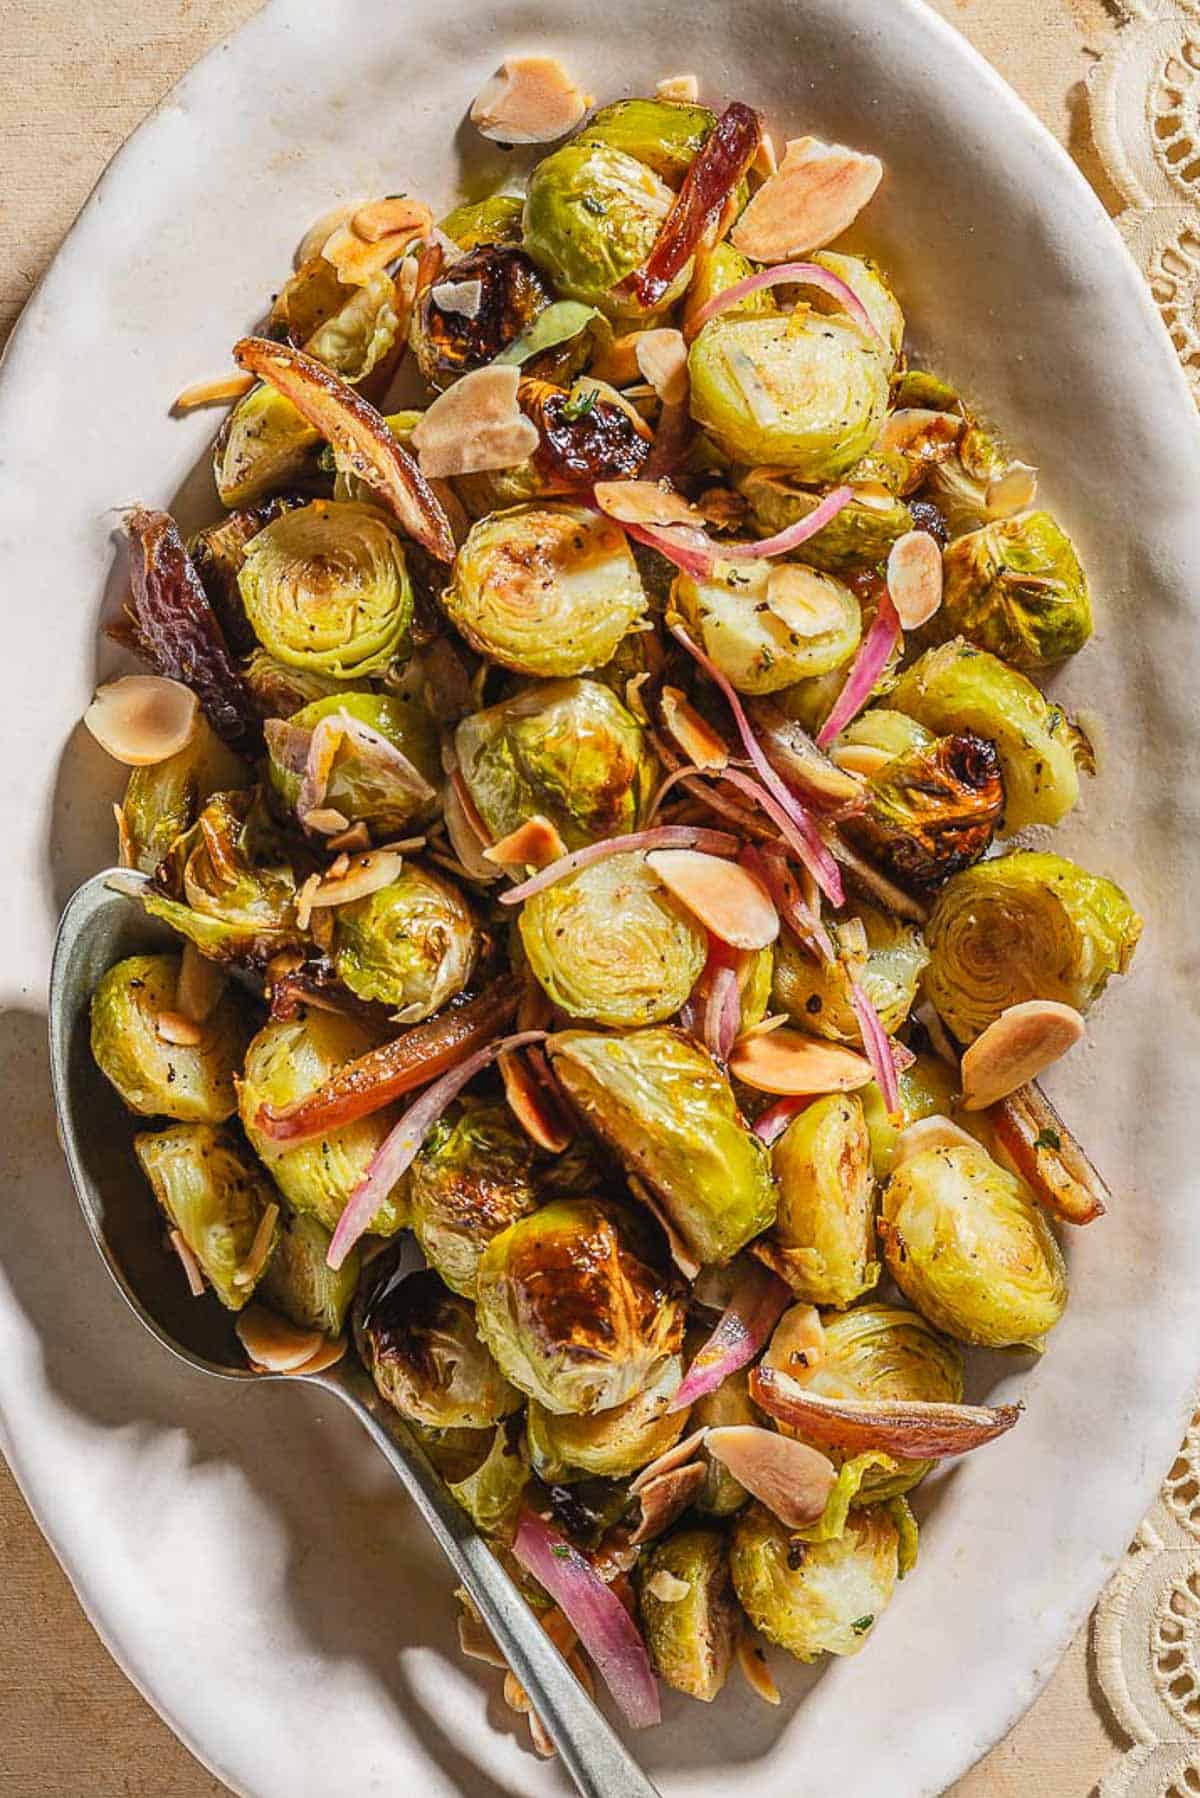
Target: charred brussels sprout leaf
[1029, 925]
[227, 886]
[423, 1351]
[163, 800]
[473, 1178]
[496, 220]
[412, 945]
[692, 1637]
[491, 1493]
[592, 214]
[281, 691]
[611, 1444]
[815, 1598]
[447, 342]
[216, 1196]
[823, 1241]
[930, 813]
[611, 945]
[546, 590]
[1017, 588]
[663, 1104]
[768, 625]
[663, 134]
[299, 1282]
[859, 537]
[575, 1310]
[157, 1078]
[887, 957]
[363, 790]
[263, 445]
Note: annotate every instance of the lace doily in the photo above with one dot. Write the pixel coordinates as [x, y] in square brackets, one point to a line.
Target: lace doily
[1145, 106]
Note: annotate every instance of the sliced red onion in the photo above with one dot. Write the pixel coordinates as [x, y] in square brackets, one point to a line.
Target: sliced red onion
[685, 773]
[691, 550]
[755, 1307]
[663, 836]
[595, 1613]
[400, 1147]
[793, 535]
[770, 864]
[770, 1125]
[877, 1044]
[807, 274]
[722, 1012]
[869, 664]
[694, 552]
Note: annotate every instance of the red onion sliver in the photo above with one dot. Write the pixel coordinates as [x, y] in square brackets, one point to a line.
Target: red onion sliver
[694, 552]
[793, 535]
[691, 550]
[757, 1304]
[595, 1613]
[399, 1149]
[878, 1046]
[808, 274]
[869, 664]
[722, 1013]
[772, 1123]
[770, 864]
[663, 836]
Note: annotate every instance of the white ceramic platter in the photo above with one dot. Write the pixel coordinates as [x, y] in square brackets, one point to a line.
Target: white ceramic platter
[243, 1553]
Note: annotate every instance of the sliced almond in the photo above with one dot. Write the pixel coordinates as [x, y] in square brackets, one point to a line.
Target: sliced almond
[367, 874]
[474, 1638]
[534, 844]
[863, 759]
[727, 898]
[126, 853]
[255, 1261]
[644, 502]
[217, 392]
[304, 899]
[797, 1345]
[914, 578]
[329, 1353]
[320, 231]
[1013, 491]
[930, 1133]
[679, 87]
[662, 356]
[462, 297]
[356, 261]
[919, 434]
[678, 1455]
[791, 1479]
[665, 1498]
[664, 1586]
[476, 424]
[201, 984]
[384, 218]
[190, 1265]
[141, 719]
[1015, 1048]
[174, 1028]
[753, 1663]
[809, 603]
[535, 1105]
[273, 1344]
[357, 837]
[704, 747]
[540, 1737]
[530, 100]
[788, 1061]
[326, 820]
[817, 193]
[339, 867]
[910, 1429]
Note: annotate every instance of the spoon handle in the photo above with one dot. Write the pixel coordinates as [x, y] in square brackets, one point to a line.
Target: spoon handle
[592, 1752]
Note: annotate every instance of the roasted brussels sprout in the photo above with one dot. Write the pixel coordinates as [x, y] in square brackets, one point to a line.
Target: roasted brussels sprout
[886, 956]
[587, 433]
[815, 1598]
[288, 1060]
[412, 945]
[768, 625]
[164, 799]
[232, 892]
[496, 220]
[729, 1403]
[611, 1444]
[966, 1243]
[575, 1309]
[448, 342]
[823, 1240]
[959, 688]
[218, 552]
[664, 134]
[612, 945]
[930, 813]
[282, 691]
[1029, 925]
[870, 286]
[958, 484]
[716, 271]
[154, 1076]
[474, 1176]
[422, 1349]
[859, 537]
[491, 1493]
[299, 1282]
[567, 749]
[362, 789]
[805, 392]
[662, 1103]
[263, 445]
[692, 1636]
[928, 1088]
[893, 732]
[361, 335]
[1016, 588]
[545, 589]
[327, 588]
[592, 214]
[217, 1197]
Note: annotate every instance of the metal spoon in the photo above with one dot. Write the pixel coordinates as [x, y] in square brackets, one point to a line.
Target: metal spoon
[98, 928]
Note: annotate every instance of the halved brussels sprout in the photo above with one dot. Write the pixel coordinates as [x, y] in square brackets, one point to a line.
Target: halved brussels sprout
[823, 1240]
[496, 220]
[263, 445]
[664, 134]
[567, 749]
[361, 335]
[217, 554]
[716, 271]
[663, 1104]
[1017, 588]
[491, 1493]
[587, 433]
[612, 1444]
[729, 1403]
[155, 1077]
[363, 791]
[413, 944]
[692, 1638]
[545, 589]
[612, 945]
[958, 485]
[473, 1177]
[931, 812]
[1030, 925]
[894, 732]
[816, 994]
[449, 343]
[327, 588]
[804, 392]
[574, 1307]
[928, 1088]
[959, 688]
[231, 892]
[966, 1243]
[422, 1348]
[870, 286]
[216, 1196]
[592, 214]
[165, 799]
[769, 624]
[288, 1060]
[299, 1282]
[820, 1597]
[859, 537]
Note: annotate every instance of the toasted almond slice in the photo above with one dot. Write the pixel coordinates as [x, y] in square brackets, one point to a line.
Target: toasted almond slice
[665, 1498]
[753, 1663]
[817, 193]
[475, 1640]
[1013, 491]
[644, 502]
[368, 874]
[920, 434]
[540, 1738]
[217, 392]
[515, 1695]
[930, 1133]
[201, 984]
[863, 759]
[788, 1061]
[1014, 1049]
[910, 1429]
[191, 1266]
[255, 1261]
[328, 1355]
[534, 844]
[727, 899]
[142, 718]
[326, 820]
[703, 746]
[320, 231]
[791, 1479]
[272, 1343]
[807, 602]
[304, 899]
[914, 578]
[678, 1455]
[476, 424]
[462, 297]
[383, 218]
[534, 1105]
[174, 1027]
[530, 100]
[357, 837]
[664, 1586]
[356, 261]
[126, 854]
[662, 357]
[797, 1345]
[339, 867]
[679, 87]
